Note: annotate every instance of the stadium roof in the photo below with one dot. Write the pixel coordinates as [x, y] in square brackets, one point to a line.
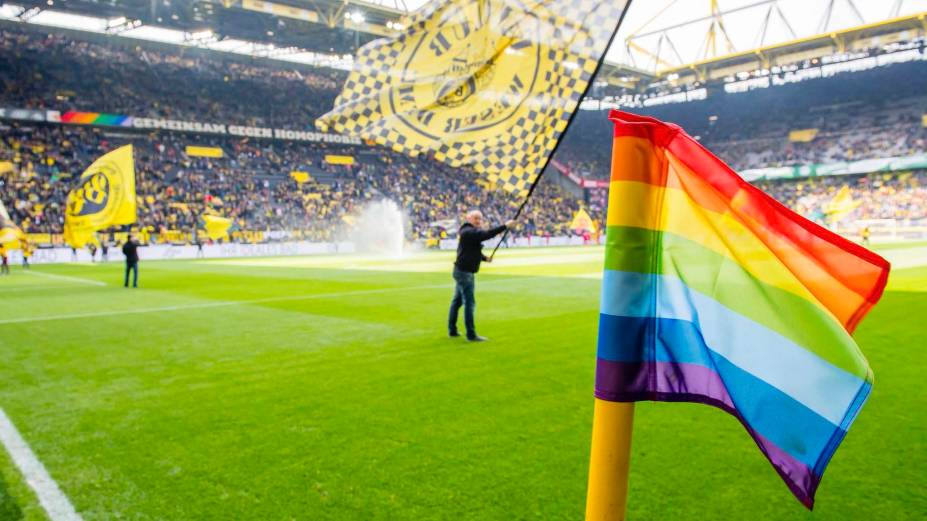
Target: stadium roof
[685, 41]
[662, 36]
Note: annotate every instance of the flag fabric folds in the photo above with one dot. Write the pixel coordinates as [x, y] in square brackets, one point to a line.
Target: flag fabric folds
[715, 293]
[105, 197]
[486, 83]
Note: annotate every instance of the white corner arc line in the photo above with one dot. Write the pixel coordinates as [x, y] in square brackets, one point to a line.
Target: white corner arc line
[65, 277]
[56, 504]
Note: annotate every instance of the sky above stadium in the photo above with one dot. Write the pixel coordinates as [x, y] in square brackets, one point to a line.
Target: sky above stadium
[744, 27]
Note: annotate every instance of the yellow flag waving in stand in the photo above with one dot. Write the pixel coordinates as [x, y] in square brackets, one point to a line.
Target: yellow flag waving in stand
[841, 205]
[104, 198]
[216, 227]
[582, 222]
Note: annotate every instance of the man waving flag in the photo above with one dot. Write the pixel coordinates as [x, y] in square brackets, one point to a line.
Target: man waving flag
[490, 84]
[104, 198]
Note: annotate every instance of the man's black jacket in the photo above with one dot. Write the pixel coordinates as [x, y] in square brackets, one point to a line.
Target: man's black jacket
[470, 246]
[130, 250]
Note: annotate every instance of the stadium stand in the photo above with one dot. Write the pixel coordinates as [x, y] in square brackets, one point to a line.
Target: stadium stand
[867, 114]
[251, 183]
[864, 115]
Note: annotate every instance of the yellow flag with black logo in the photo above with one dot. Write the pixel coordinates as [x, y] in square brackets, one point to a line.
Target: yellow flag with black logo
[105, 197]
[11, 236]
[489, 84]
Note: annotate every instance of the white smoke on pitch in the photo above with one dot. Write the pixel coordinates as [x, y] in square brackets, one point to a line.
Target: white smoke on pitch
[380, 228]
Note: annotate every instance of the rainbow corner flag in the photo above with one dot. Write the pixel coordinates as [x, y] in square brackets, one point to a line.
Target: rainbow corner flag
[715, 293]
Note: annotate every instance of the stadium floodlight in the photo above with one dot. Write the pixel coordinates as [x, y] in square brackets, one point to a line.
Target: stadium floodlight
[70, 21]
[205, 34]
[10, 11]
[356, 17]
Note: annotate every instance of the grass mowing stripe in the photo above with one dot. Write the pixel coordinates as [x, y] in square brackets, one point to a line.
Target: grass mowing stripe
[221, 303]
[56, 504]
[226, 303]
[80, 280]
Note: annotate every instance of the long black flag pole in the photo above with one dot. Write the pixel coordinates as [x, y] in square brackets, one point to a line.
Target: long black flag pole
[534, 184]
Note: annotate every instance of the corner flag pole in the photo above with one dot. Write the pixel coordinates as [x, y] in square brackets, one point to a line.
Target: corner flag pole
[607, 494]
[534, 184]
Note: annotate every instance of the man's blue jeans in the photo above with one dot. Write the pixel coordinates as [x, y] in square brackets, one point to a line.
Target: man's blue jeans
[463, 295]
[133, 267]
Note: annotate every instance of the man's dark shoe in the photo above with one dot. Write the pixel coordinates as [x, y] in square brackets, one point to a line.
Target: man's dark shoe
[477, 338]
[453, 334]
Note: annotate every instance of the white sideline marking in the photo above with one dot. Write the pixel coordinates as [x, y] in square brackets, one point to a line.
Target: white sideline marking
[65, 277]
[52, 499]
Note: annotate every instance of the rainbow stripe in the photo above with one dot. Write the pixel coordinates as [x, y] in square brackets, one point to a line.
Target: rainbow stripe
[96, 118]
[716, 293]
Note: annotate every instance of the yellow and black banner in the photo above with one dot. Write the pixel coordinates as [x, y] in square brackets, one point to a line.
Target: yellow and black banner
[105, 197]
[486, 83]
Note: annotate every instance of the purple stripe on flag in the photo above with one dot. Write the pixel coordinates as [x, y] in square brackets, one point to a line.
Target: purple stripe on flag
[678, 382]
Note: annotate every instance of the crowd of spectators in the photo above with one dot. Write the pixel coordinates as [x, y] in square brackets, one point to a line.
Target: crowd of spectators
[865, 115]
[900, 196]
[58, 72]
[252, 184]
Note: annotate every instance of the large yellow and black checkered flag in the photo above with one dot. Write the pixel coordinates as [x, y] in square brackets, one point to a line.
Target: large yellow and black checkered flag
[104, 198]
[486, 83]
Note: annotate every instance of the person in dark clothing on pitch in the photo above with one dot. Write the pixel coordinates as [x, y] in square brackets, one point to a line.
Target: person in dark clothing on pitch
[130, 250]
[469, 256]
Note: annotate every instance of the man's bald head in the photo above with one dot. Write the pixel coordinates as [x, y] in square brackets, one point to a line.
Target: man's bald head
[475, 217]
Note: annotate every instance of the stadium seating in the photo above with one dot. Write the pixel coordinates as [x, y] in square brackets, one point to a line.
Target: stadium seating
[853, 118]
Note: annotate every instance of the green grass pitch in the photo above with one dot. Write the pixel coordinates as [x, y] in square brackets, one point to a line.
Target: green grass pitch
[325, 388]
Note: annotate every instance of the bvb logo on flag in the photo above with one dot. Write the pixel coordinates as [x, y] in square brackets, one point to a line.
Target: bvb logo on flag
[489, 84]
[105, 197]
[95, 194]
[466, 58]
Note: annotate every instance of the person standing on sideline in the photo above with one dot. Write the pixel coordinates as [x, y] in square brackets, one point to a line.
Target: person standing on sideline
[469, 255]
[27, 253]
[104, 251]
[130, 250]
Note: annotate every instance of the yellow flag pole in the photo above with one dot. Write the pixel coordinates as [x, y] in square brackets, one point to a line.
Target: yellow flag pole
[607, 495]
